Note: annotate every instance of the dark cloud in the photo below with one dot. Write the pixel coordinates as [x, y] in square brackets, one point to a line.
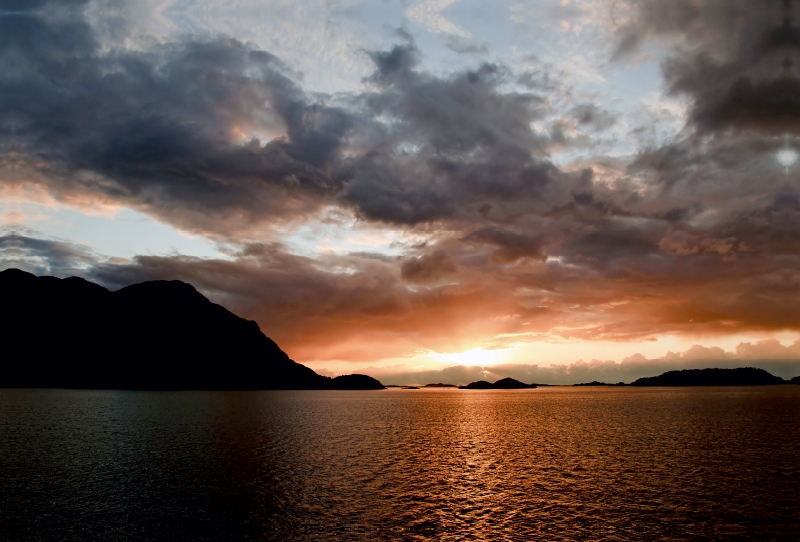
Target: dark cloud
[428, 268]
[726, 97]
[741, 68]
[509, 245]
[593, 117]
[157, 130]
[174, 129]
[451, 146]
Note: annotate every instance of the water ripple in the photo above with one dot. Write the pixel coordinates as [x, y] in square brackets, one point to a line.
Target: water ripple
[545, 464]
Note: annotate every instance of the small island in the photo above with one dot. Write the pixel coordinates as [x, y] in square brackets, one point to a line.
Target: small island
[596, 383]
[354, 382]
[502, 384]
[439, 385]
[743, 376]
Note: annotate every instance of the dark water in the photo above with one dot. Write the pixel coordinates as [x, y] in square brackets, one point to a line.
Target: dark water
[546, 464]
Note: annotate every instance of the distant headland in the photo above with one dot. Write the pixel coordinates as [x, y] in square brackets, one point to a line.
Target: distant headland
[743, 376]
[157, 335]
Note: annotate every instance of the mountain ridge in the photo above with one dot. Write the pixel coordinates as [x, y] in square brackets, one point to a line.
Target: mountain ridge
[155, 335]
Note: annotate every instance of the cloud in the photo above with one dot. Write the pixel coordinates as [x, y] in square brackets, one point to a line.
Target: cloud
[768, 349]
[593, 116]
[427, 268]
[454, 149]
[27, 250]
[510, 246]
[215, 136]
[740, 70]
[428, 14]
[165, 125]
[346, 307]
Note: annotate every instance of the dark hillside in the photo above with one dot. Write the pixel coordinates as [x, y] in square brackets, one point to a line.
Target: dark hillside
[71, 333]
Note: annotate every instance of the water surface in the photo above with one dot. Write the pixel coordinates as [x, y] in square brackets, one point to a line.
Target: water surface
[549, 464]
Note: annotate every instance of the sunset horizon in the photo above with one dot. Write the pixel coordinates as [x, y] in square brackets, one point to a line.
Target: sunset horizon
[35, 302]
[550, 189]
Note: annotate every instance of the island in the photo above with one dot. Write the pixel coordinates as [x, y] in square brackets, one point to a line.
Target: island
[439, 385]
[502, 384]
[743, 376]
[354, 382]
[156, 335]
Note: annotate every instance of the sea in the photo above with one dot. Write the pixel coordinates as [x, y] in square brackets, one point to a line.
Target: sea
[553, 463]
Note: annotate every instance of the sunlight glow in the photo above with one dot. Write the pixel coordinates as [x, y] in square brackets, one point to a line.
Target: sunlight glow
[786, 158]
[474, 357]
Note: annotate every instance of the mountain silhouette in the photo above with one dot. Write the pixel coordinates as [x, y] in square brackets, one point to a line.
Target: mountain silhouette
[157, 335]
[795, 380]
[743, 376]
[502, 384]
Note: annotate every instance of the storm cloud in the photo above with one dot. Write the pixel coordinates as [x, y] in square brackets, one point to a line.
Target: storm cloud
[161, 129]
[740, 68]
[188, 129]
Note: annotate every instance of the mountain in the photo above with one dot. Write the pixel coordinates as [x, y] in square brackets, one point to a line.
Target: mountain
[157, 335]
[795, 380]
[743, 376]
[502, 384]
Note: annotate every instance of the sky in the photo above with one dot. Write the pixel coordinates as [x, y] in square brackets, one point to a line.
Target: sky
[432, 190]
